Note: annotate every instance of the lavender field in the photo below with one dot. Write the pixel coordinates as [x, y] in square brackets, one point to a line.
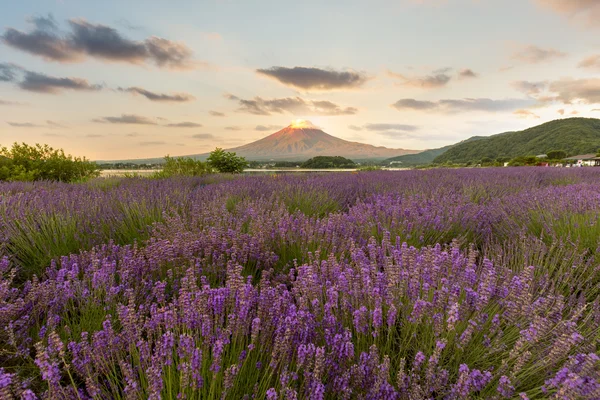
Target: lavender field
[438, 284]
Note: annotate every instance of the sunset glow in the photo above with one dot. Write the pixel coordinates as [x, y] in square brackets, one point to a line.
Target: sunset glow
[301, 124]
[121, 80]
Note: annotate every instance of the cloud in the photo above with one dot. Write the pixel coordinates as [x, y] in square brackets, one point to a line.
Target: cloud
[561, 111]
[396, 134]
[529, 87]
[450, 106]
[574, 112]
[36, 82]
[586, 9]
[569, 90]
[436, 80]
[126, 119]
[390, 127]
[216, 113]
[413, 104]
[525, 114]
[315, 78]
[467, 73]
[8, 72]
[186, 124]
[389, 130]
[166, 53]
[267, 128]
[233, 128]
[139, 120]
[155, 143]
[534, 54]
[328, 108]
[54, 124]
[23, 124]
[176, 97]
[42, 83]
[49, 124]
[292, 105]
[203, 136]
[128, 25]
[45, 24]
[98, 41]
[592, 62]
[94, 135]
[9, 103]
[44, 41]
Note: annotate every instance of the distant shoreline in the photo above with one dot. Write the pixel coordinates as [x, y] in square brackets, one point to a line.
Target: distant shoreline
[146, 172]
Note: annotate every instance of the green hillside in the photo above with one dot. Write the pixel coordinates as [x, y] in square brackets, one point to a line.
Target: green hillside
[424, 157]
[427, 156]
[573, 135]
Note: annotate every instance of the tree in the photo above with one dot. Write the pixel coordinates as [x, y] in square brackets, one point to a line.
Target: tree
[328, 162]
[557, 154]
[23, 162]
[226, 161]
[523, 160]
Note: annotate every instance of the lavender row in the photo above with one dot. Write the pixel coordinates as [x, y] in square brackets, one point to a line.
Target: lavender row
[424, 284]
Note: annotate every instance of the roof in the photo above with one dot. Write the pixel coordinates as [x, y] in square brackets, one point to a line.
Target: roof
[584, 157]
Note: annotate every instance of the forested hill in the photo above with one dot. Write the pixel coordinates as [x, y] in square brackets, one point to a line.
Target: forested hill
[427, 156]
[573, 135]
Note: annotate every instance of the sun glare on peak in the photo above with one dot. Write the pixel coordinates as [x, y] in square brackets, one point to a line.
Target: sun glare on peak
[301, 123]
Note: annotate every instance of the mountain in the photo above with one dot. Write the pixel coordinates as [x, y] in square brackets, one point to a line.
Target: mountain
[297, 142]
[573, 135]
[302, 140]
[427, 156]
[422, 158]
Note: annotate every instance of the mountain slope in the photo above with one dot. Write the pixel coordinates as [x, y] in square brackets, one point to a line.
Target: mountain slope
[301, 141]
[573, 135]
[424, 157]
[427, 156]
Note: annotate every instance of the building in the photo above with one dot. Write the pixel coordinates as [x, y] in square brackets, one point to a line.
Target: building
[585, 160]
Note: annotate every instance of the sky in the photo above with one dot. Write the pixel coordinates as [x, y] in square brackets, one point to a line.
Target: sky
[133, 79]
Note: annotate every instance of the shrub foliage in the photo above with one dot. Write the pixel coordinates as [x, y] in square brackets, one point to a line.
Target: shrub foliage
[23, 162]
[183, 166]
[226, 161]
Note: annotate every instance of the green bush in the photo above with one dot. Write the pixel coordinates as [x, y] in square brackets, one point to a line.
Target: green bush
[23, 162]
[369, 168]
[226, 162]
[183, 166]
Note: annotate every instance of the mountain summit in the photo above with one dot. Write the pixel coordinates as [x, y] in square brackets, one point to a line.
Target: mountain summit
[302, 140]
